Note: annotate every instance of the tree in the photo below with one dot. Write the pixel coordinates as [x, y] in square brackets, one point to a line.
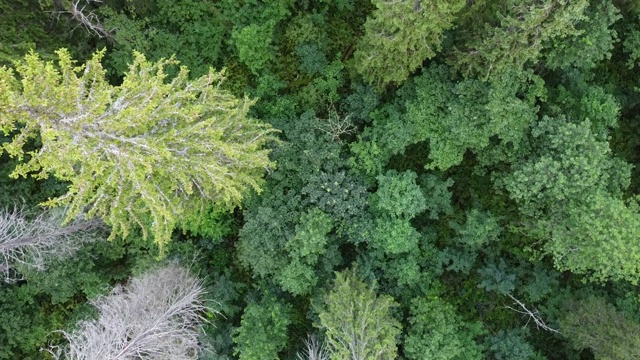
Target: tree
[503, 35]
[570, 191]
[32, 242]
[437, 332]
[142, 153]
[263, 329]
[595, 324]
[155, 316]
[400, 35]
[357, 322]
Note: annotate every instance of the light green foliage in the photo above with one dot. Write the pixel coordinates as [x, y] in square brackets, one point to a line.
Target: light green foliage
[254, 47]
[437, 332]
[513, 33]
[459, 115]
[595, 324]
[397, 200]
[593, 42]
[400, 35]
[263, 330]
[398, 195]
[357, 322]
[306, 246]
[137, 154]
[570, 189]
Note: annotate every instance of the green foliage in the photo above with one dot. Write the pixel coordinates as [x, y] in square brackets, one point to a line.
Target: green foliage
[400, 35]
[189, 29]
[594, 324]
[570, 189]
[263, 329]
[514, 34]
[480, 229]
[357, 323]
[592, 43]
[497, 278]
[310, 207]
[459, 115]
[398, 195]
[437, 332]
[306, 246]
[254, 47]
[510, 345]
[27, 25]
[135, 154]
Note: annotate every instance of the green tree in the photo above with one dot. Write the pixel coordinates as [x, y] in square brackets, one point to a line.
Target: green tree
[438, 333]
[357, 322]
[570, 193]
[141, 154]
[597, 325]
[263, 329]
[400, 35]
[507, 35]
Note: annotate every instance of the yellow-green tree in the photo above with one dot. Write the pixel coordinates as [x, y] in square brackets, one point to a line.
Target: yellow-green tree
[400, 35]
[139, 154]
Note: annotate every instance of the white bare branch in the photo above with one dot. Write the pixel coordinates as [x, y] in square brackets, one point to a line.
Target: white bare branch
[314, 350]
[88, 20]
[336, 126]
[532, 314]
[31, 243]
[155, 316]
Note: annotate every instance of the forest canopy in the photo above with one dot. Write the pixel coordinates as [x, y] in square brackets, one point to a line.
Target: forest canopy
[334, 179]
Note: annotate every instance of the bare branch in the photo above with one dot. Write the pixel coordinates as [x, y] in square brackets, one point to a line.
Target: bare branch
[155, 316]
[31, 243]
[314, 350]
[335, 125]
[533, 314]
[89, 20]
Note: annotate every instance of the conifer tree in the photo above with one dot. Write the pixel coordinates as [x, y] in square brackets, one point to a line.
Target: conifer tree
[141, 153]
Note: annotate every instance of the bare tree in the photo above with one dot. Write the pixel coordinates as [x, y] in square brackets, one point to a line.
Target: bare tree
[314, 350]
[31, 243]
[85, 18]
[155, 316]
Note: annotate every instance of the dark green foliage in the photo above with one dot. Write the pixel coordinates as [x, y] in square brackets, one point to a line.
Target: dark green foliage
[438, 333]
[190, 29]
[471, 157]
[507, 35]
[594, 324]
[511, 345]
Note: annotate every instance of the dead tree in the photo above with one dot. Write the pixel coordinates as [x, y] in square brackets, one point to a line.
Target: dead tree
[31, 243]
[155, 316]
